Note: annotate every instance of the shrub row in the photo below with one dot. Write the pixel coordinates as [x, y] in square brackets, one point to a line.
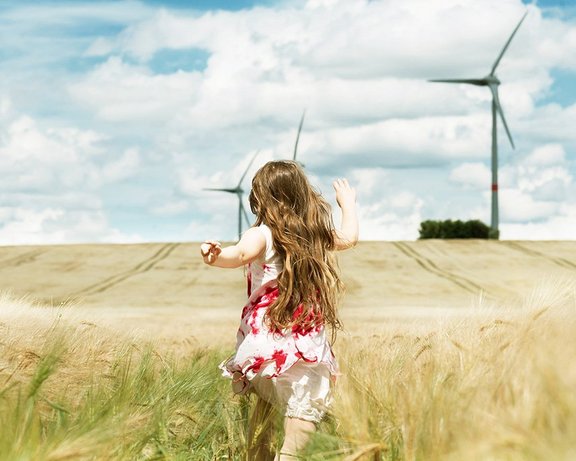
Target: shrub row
[448, 229]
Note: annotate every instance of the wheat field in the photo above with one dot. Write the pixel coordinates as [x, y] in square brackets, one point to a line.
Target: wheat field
[432, 367]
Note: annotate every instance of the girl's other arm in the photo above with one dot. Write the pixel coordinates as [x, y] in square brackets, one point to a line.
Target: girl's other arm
[347, 236]
[251, 245]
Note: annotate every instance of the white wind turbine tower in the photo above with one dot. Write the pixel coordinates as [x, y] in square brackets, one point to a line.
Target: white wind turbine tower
[492, 82]
[239, 192]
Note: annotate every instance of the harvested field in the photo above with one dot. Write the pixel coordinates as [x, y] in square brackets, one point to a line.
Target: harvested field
[165, 289]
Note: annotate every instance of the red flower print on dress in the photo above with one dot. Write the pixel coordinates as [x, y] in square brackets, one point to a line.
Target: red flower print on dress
[260, 350]
[280, 358]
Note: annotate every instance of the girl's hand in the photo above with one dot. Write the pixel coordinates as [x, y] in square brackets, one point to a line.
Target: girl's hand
[345, 194]
[210, 250]
[347, 235]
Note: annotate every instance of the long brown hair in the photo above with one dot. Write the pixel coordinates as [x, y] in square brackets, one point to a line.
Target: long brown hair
[300, 220]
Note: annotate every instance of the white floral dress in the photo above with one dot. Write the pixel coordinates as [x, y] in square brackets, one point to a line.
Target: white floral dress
[291, 368]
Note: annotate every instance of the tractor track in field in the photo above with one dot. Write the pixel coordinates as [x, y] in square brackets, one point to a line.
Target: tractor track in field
[24, 258]
[559, 261]
[431, 267]
[143, 266]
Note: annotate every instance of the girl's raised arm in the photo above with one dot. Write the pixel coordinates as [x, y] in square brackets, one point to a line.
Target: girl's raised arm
[347, 235]
[251, 245]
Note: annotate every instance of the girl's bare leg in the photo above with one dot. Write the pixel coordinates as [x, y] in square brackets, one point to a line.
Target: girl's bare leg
[296, 435]
[260, 432]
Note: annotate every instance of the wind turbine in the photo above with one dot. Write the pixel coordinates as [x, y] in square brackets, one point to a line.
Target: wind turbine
[298, 136]
[492, 82]
[239, 192]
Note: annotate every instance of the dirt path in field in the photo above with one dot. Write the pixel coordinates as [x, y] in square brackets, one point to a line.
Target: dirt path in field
[562, 262]
[429, 265]
[24, 258]
[140, 268]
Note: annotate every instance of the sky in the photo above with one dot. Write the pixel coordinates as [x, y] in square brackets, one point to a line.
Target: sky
[116, 114]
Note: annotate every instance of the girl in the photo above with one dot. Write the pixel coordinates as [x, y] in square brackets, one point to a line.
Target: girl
[282, 352]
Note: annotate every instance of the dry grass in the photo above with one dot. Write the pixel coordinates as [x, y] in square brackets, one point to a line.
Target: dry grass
[71, 389]
[33, 335]
[497, 384]
[494, 384]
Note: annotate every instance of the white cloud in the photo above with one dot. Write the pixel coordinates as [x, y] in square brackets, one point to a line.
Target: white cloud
[39, 158]
[175, 207]
[52, 178]
[123, 168]
[368, 182]
[532, 179]
[545, 175]
[120, 91]
[34, 157]
[517, 206]
[5, 107]
[549, 154]
[474, 175]
[57, 226]
[551, 123]
[26, 226]
[558, 227]
[100, 47]
[397, 217]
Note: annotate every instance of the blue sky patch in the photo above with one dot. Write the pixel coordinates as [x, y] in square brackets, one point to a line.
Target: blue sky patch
[84, 28]
[563, 89]
[168, 61]
[556, 8]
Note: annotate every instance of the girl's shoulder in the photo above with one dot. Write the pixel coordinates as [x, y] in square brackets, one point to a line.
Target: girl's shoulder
[267, 233]
[265, 230]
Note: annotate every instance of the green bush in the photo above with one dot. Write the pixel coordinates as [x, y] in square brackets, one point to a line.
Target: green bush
[448, 229]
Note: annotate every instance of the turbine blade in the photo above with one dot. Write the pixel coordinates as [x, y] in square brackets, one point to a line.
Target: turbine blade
[471, 81]
[232, 191]
[506, 45]
[247, 168]
[494, 90]
[298, 135]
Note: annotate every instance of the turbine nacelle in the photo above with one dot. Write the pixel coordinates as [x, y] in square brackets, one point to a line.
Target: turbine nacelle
[492, 80]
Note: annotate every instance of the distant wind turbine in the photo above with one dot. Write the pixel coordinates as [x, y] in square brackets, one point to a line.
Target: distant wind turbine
[239, 192]
[298, 136]
[492, 82]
